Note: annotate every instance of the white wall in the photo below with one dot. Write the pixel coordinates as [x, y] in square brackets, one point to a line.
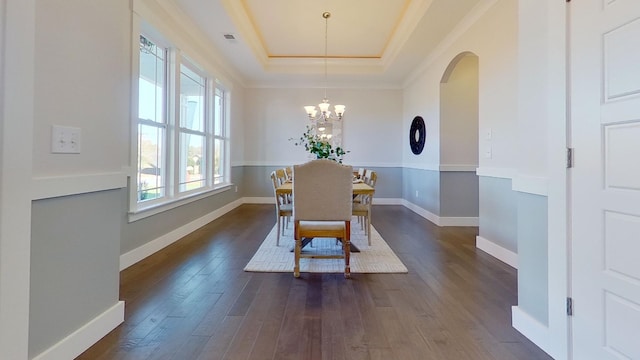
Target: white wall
[493, 38]
[16, 121]
[82, 74]
[371, 125]
[459, 114]
[533, 88]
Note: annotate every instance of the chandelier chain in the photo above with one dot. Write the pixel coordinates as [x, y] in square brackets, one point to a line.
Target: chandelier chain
[325, 114]
[326, 16]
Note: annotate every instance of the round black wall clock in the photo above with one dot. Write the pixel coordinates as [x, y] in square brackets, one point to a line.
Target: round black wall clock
[417, 135]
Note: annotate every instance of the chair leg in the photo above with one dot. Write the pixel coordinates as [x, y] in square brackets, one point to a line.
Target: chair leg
[284, 222]
[278, 232]
[346, 246]
[369, 227]
[296, 266]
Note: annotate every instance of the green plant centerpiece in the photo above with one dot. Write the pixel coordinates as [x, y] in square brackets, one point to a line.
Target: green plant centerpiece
[319, 146]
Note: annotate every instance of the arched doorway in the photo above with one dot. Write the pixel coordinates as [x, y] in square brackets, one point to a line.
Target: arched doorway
[459, 140]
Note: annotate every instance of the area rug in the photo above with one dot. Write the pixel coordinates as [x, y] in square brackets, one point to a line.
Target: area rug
[377, 258]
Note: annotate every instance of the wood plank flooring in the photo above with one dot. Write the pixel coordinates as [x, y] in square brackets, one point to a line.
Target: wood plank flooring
[192, 300]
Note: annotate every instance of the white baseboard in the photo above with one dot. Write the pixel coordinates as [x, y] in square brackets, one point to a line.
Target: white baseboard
[441, 221]
[259, 200]
[270, 200]
[387, 201]
[80, 340]
[506, 256]
[459, 221]
[422, 212]
[531, 328]
[165, 240]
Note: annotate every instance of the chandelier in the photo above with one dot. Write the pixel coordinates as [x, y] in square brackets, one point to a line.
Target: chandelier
[325, 115]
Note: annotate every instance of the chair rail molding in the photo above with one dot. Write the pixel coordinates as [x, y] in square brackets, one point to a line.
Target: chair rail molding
[55, 186]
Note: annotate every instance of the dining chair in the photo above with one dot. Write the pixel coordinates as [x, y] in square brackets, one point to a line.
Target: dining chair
[281, 175]
[322, 207]
[284, 210]
[362, 207]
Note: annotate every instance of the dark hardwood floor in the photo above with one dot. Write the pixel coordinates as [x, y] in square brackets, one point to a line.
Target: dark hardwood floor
[192, 300]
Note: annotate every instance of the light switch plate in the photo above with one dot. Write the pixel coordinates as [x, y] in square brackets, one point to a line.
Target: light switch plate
[65, 139]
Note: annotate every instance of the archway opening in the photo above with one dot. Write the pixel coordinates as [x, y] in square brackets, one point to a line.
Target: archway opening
[459, 99]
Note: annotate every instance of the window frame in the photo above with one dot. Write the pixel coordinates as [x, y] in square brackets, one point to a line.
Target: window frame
[171, 174]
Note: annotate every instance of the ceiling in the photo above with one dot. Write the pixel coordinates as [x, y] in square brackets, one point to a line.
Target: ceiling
[282, 42]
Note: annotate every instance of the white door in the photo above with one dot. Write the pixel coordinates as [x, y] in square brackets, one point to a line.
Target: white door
[605, 224]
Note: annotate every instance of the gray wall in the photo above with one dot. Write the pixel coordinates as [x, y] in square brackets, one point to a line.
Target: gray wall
[498, 212]
[533, 283]
[443, 193]
[459, 194]
[257, 182]
[427, 185]
[74, 264]
[140, 232]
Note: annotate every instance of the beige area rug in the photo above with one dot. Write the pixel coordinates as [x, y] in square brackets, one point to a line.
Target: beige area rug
[377, 258]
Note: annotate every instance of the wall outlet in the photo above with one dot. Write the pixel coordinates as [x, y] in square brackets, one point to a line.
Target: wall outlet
[416, 193]
[65, 139]
[236, 188]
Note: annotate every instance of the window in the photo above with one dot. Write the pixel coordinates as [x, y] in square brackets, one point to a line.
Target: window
[182, 138]
[152, 120]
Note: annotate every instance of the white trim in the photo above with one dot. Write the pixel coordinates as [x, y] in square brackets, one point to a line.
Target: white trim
[80, 340]
[163, 241]
[505, 255]
[531, 328]
[501, 173]
[258, 200]
[441, 221]
[55, 186]
[459, 221]
[271, 200]
[422, 212]
[167, 239]
[536, 185]
[387, 201]
[164, 206]
[457, 168]
[283, 164]
[428, 167]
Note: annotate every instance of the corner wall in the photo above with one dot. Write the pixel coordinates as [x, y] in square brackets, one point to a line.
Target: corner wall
[16, 148]
[521, 51]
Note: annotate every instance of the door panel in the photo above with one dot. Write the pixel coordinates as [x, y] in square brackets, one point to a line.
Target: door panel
[605, 186]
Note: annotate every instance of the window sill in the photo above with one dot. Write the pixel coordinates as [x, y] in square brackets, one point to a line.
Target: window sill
[144, 212]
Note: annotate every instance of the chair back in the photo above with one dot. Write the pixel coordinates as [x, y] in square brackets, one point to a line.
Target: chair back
[371, 179]
[322, 191]
[280, 199]
[281, 175]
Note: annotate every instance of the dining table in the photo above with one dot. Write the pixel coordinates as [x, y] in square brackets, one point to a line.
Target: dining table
[359, 188]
